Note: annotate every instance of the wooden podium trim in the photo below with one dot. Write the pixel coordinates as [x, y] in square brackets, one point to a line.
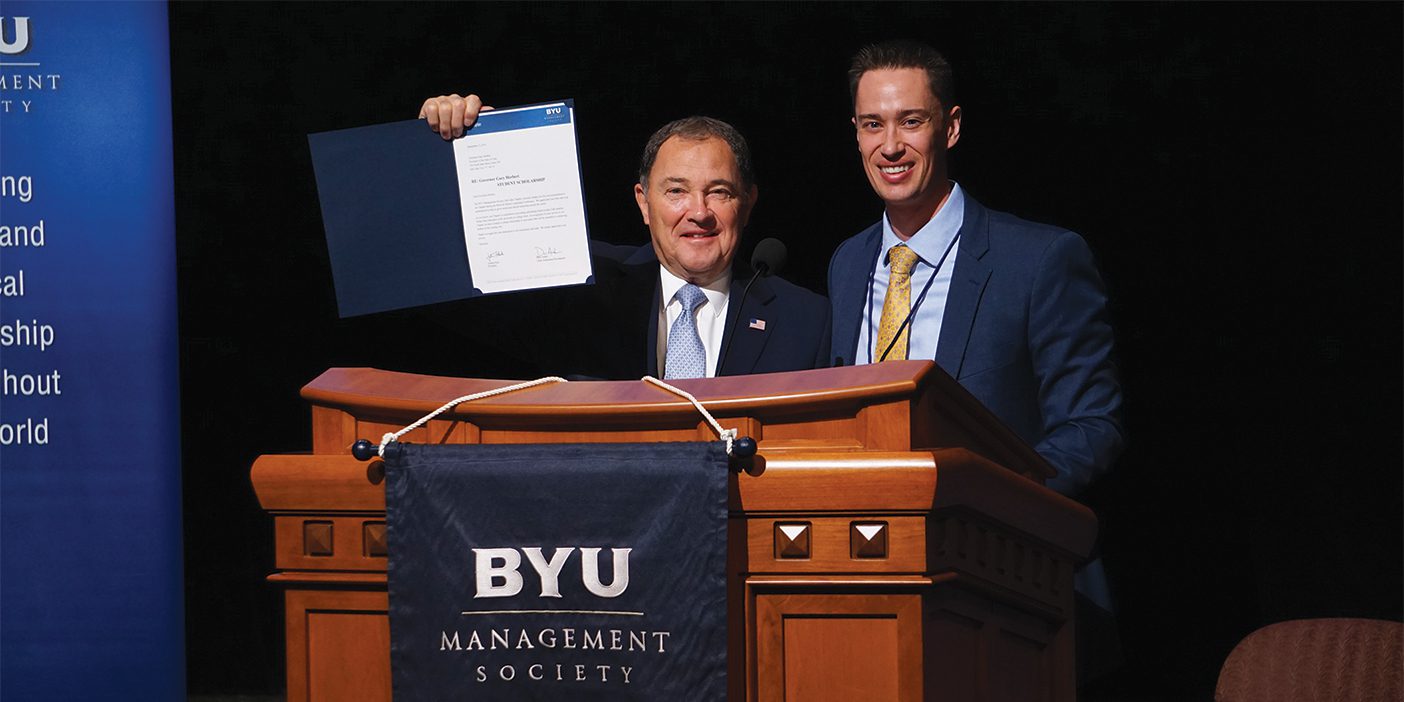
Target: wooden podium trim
[884, 628]
[370, 389]
[892, 405]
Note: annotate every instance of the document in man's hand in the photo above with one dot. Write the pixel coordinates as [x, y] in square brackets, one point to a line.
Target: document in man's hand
[413, 220]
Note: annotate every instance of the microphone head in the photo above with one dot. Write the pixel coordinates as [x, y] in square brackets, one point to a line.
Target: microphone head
[768, 256]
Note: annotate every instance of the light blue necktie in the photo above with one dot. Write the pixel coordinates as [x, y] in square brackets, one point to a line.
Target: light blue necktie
[686, 357]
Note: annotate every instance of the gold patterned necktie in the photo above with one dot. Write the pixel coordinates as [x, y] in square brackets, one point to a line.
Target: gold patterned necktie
[897, 304]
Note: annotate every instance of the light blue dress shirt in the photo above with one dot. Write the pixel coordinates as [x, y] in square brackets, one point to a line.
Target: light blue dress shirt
[930, 243]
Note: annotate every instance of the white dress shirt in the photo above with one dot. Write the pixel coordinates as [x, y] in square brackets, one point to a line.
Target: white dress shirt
[711, 316]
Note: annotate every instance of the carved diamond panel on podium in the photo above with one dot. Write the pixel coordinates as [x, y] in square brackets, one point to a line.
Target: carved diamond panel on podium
[792, 539]
[373, 536]
[867, 540]
[317, 538]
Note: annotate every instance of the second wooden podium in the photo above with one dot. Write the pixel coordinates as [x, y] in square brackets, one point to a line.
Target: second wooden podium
[891, 541]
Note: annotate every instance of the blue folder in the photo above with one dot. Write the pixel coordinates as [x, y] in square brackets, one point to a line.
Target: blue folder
[390, 208]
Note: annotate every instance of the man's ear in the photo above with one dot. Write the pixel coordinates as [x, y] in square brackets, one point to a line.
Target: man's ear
[854, 121]
[642, 199]
[953, 126]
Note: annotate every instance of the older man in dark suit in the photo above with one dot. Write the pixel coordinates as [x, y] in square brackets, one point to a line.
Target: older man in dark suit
[674, 307]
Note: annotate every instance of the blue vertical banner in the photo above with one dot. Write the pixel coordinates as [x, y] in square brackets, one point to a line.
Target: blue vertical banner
[91, 600]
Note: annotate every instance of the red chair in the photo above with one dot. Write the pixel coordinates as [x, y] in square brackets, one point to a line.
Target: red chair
[1316, 660]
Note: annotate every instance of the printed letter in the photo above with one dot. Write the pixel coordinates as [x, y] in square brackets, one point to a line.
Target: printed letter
[21, 37]
[550, 571]
[590, 572]
[487, 571]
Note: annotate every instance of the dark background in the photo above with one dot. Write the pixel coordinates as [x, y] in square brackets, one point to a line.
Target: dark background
[1236, 168]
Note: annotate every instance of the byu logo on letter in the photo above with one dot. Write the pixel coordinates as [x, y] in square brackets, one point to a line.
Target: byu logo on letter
[21, 36]
[553, 110]
[496, 571]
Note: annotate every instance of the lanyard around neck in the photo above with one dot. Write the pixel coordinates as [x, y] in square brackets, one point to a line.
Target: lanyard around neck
[872, 274]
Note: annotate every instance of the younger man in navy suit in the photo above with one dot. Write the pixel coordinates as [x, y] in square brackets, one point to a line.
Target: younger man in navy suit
[1014, 310]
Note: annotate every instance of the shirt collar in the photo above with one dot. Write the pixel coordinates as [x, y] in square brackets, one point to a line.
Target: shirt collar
[931, 241]
[716, 291]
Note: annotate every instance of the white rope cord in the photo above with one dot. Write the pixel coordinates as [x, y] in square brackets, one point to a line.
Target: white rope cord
[395, 435]
[727, 435]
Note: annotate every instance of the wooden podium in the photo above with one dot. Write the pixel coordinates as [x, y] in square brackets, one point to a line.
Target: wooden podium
[891, 541]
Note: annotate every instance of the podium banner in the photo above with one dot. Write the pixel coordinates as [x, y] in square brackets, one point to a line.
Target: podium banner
[562, 572]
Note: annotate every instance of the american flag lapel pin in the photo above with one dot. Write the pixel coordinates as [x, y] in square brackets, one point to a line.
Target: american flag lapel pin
[758, 324]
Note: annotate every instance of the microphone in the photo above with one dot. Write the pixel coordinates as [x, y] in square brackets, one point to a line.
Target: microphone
[767, 259]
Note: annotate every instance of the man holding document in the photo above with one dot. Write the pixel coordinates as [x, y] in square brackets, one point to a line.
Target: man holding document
[673, 308]
[1017, 312]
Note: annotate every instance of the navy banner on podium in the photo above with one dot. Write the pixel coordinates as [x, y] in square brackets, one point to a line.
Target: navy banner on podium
[558, 572]
[91, 600]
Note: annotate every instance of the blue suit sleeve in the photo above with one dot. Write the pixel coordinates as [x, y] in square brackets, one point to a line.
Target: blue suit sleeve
[1070, 342]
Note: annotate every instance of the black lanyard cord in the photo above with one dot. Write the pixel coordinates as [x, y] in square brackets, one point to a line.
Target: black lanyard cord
[872, 273]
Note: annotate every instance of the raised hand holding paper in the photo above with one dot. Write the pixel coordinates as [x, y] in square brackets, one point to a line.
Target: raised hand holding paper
[412, 220]
[523, 210]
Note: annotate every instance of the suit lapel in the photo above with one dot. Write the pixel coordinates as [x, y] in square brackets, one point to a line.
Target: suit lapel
[968, 282]
[651, 351]
[746, 347]
[640, 272]
[849, 293]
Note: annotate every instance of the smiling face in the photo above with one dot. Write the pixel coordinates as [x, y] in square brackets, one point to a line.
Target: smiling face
[695, 207]
[903, 134]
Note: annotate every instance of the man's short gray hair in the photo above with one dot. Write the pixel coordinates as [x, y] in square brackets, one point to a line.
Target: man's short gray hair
[698, 128]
